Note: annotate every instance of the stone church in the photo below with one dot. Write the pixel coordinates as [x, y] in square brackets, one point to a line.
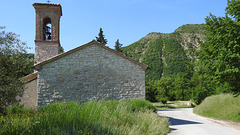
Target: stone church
[91, 71]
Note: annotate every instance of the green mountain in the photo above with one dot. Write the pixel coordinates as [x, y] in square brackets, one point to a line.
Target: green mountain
[167, 54]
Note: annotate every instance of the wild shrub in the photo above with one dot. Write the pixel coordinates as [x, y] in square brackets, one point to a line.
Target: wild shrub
[223, 106]
[18, 109]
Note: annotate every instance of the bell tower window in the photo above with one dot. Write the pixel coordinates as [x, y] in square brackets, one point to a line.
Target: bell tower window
[47, 33]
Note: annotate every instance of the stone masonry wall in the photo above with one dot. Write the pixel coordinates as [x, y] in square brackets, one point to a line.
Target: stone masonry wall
[92, 73]
[45, 50]
[29, 98]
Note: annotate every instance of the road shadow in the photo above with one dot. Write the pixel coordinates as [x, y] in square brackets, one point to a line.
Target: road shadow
[175, 121]
[172, 129]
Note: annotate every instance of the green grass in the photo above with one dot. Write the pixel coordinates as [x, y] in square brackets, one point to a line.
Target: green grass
[171, 105]
[130, 117]
[223, 107]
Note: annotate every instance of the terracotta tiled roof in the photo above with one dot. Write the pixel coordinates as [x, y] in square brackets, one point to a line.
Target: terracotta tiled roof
[30, 77]
[46, 4]
[93, 42]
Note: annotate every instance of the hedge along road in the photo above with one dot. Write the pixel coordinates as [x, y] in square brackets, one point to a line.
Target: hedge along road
[185, 122]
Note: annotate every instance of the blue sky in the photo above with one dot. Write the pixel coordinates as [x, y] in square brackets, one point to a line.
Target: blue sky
[126, 20]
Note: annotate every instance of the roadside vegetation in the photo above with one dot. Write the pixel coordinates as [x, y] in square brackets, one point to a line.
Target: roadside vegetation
[173, 105]
[130, 117]
[223, 107]
[193, 62]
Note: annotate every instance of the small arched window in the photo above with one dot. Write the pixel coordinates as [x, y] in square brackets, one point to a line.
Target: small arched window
[47, 33]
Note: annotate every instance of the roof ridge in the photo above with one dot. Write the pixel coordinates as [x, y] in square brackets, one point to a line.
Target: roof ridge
[38, 65]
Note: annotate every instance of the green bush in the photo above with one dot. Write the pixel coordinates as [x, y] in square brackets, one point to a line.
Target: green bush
[58, 106]
[164, 101]
[18, 109]
[223, 106]
[139, 105]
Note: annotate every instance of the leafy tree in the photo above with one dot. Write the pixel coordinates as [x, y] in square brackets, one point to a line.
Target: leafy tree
[118, 45]
[164, 89]
[14, 64]
[220, 55]
[101, 37]
[151, 91]
[181, 86]
[201, 86]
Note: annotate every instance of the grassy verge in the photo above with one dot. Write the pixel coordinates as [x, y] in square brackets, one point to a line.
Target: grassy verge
[131, 117]
[223, 107]
[171, 105]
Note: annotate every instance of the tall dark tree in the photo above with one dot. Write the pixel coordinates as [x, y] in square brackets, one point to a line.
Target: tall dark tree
[61, 49]
[101, 37]
[118, 45]
[220, 54]
[14, 64]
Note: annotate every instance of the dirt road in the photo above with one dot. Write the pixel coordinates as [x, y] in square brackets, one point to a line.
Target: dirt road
[185, 122]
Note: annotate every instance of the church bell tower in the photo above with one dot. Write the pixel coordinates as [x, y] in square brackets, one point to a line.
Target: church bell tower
[47, 42]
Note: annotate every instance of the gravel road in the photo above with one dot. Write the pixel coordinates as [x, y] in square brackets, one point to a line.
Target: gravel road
[185, 122]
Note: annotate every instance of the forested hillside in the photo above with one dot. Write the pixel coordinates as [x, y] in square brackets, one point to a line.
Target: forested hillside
[180, 70]
[167, 54]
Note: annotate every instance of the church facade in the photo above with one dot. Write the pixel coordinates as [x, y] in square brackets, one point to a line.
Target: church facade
[91, 71]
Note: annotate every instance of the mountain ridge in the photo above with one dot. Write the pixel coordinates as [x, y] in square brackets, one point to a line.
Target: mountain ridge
[166, 54]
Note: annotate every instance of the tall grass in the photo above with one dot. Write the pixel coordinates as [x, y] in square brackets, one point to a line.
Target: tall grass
[223, 106]
[130, 117]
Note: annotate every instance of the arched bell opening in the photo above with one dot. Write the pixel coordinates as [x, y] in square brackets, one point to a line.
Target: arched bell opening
[47, 33]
